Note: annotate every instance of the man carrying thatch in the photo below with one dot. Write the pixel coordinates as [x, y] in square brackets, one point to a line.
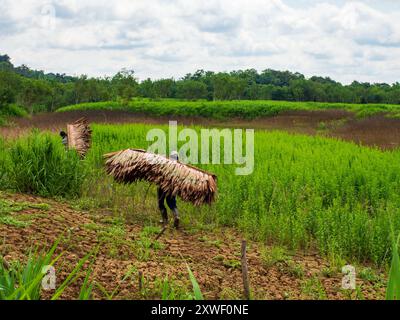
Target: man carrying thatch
[173, 178]
[171, 201]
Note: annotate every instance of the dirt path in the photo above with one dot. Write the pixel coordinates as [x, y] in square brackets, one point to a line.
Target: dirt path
[214, 257]
[377, 130]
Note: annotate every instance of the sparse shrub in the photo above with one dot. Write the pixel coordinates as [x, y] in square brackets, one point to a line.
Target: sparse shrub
[328, 272]
[292, 269]
[274, 255]
[313, 289]
[368, 274]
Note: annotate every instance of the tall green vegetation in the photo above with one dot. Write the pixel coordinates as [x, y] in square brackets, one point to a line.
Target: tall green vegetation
[244, 109]
[39, 164]
[305, 192]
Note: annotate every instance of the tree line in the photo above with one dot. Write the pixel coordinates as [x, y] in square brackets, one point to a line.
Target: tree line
[37, 91]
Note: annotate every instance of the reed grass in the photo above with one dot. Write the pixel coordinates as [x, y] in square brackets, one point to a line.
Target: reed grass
[39, 164]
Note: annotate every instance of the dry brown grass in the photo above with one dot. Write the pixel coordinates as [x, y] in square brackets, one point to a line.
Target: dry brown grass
[79, 136]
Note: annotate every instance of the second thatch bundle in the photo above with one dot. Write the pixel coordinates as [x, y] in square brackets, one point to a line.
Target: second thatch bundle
[174, 178]
[79, 136]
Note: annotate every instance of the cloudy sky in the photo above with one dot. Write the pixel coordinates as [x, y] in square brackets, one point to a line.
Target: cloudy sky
[343, 39]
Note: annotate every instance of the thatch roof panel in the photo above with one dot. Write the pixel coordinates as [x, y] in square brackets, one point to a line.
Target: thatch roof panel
[79, 136]
[174, 178]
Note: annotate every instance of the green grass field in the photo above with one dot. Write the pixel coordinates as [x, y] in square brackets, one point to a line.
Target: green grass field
[305, 192]
[245, 109]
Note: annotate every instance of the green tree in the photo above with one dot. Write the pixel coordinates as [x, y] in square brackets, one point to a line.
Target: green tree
[191, 90]
[8, 88]
[146, 89]
[34, 94]
[125, 84]
[5, 63]
[164, 88]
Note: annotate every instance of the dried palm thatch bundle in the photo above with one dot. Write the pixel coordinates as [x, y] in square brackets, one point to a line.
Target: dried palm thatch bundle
[174, 178]
[79, 136]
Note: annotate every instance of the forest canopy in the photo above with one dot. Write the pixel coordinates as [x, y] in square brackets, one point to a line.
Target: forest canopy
[38, 91]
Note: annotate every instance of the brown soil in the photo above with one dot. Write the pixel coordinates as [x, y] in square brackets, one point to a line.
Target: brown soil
[377, 130]
[212, 256]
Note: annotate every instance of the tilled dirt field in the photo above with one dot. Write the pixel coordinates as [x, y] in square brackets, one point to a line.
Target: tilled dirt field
[376, 130]
[214, 258]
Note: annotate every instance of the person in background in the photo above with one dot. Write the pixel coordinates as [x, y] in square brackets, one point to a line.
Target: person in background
[171, 201]
[64, 138]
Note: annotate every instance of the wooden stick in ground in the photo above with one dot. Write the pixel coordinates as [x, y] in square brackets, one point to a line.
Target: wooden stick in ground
[161, 233]
[158, 236]
[140, 281]
[245, 272]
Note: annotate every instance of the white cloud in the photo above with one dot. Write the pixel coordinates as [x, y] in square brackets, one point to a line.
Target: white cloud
[345, 40]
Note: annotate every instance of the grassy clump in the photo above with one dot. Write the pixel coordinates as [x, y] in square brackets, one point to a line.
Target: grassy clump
[39, 164]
